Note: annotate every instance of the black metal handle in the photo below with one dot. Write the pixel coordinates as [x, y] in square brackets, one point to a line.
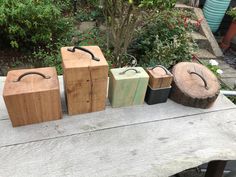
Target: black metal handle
[123, 72]
[160, 66]
[32, 72]
[85, 50]
[203, 79]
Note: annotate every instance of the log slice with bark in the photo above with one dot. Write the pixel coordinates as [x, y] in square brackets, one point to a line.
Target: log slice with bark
[194, 85]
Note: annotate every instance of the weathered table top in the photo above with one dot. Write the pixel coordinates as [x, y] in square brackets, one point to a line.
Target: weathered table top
[143, 141]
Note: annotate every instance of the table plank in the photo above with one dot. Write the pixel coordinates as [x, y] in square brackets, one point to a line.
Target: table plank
[153, 149]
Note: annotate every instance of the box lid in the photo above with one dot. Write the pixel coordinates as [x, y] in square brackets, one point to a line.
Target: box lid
[159, 72]
[30, 81]
[72, 57]
[128, 73]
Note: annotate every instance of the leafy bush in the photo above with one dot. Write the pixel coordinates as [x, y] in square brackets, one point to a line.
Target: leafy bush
[165, 40]
[49, 58]
[161, 4]
[85, 15]
[92, 37]
[123, 18]
[232, 13]
[213, 65]
[65, 6]
[30, 23]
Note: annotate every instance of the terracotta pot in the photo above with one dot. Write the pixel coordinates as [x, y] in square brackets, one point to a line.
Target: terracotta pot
[229, 35]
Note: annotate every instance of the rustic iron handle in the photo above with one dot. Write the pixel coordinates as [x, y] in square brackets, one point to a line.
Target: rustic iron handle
[32, 72]
[123, 72]
[85, 50]
[160, 66]
[203, 79]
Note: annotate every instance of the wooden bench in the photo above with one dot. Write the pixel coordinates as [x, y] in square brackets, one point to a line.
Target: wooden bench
[142, 141]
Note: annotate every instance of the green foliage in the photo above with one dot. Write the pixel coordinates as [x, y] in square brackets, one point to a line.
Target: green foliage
[161, 4]
[65, 6]
[232, 13]
[213, 65]
[165, 40]
[31, 23]
[92, 3]
[225, 87]
[49, 58]
[91, 37]
[85, 15]
[123, 18]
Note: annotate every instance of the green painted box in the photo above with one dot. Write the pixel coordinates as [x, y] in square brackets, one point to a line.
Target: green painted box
[127, 86]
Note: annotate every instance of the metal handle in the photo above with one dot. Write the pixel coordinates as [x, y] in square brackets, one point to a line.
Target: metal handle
[123, 72]
[33, 72]
[203, 79]
[85, 50]
[160, 66]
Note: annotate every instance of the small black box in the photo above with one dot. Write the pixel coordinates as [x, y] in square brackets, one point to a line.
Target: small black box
[154, 96]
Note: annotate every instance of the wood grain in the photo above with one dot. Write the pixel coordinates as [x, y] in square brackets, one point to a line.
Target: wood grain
[159, 78]
[159, 140]
[33, 99]
[189, 89]
[128, 89]
[150, 149]
[85, 80]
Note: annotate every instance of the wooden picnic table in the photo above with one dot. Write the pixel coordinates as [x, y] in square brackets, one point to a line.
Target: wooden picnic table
[142, 141]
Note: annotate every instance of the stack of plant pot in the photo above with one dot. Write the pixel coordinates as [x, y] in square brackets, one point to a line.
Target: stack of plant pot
[159, 85]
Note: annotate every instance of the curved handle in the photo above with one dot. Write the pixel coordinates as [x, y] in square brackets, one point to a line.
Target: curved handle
[85, 50]
[160, 66]
[204, 80]
[32, 72]
[123, 72]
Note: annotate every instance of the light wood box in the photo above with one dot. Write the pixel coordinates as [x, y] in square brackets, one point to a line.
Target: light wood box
[33, 98]
[160, 77]
[127, 86]
[85, 80]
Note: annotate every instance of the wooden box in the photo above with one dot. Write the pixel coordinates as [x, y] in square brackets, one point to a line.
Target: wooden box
[85, 79]
[127, 86]
[32, 96]
[160, 77]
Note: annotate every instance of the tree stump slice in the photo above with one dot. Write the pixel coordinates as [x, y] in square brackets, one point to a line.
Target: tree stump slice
[194, 85]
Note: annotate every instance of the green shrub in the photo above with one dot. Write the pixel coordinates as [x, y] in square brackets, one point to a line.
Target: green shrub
[91, 15]
[232, 13]
[165, 40]
[161, 4]
[66, 6]
[92, 37]
[31, 23]
[52, 59]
